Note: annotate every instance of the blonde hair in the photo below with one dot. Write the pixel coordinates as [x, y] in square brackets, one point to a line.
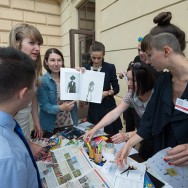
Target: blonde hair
[21, 31]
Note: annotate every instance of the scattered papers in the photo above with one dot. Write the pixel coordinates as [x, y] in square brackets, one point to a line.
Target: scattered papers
[72, 132]
[49, 143]
[70, 167]
[135, 175]
[84, 126]
[174, 175]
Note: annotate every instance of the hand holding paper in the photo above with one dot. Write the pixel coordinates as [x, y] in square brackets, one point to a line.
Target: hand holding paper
[178, 155]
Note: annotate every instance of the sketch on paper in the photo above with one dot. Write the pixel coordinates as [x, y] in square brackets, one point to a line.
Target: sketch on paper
[87, 86]
[90, 91]
[71, 85]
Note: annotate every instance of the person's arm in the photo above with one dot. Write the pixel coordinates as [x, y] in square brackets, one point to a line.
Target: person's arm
[44, 100]
[107, 119]
[36, 149]
[106, 94]
[121, 157]
[113, 87]
[178, 155]
[114, 81]
[38, 131]
[122, 137]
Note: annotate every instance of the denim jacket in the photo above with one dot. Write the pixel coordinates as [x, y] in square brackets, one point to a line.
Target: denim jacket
[47, 98]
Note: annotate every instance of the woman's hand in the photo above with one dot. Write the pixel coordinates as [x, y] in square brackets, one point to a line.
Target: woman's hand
[88, 135]
[120, 137]
[105, 94]
[38, 131]
[67, 106]
[122, 74]
[178, 155]
[81, 69]
[121, 157]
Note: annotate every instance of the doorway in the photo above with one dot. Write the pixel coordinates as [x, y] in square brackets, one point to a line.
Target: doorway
[86, 34]
[83, 46]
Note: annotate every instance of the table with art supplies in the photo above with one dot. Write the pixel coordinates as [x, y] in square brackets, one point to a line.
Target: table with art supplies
[91, 164]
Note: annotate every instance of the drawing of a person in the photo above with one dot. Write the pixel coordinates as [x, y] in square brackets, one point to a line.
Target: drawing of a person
[71, 85]
[90, 90]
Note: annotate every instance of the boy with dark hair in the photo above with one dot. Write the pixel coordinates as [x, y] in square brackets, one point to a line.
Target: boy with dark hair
[17, 87]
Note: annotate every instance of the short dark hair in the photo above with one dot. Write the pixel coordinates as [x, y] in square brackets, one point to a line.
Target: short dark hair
[17, 70]
[161, 40]
[47, 54]
[166, 39]
[143, 73]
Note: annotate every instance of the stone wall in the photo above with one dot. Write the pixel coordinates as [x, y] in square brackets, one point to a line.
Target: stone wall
[43, 14]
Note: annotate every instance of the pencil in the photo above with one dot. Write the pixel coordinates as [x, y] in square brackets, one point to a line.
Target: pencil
[88, 145]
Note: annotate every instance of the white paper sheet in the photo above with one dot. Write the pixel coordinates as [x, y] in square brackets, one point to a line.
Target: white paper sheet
[159, 166]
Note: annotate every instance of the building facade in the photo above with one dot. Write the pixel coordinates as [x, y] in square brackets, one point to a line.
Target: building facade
[72, 25]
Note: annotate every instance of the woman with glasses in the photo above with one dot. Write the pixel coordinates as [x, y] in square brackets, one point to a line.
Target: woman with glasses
[141, 82]
[111, 87]
[166, 114]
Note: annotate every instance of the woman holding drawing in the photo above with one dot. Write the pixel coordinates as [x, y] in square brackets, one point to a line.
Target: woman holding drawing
[140, 83]
[111, 87]
[53, 112]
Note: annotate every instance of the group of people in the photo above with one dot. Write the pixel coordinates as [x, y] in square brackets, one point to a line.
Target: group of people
[22, 81]
[160, 121]
[23, 88]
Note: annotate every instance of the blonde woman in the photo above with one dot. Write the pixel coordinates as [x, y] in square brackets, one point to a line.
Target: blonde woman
[28, 39]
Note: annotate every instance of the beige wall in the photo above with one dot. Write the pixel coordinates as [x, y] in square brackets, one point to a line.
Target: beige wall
[44, 14]
[118, 24]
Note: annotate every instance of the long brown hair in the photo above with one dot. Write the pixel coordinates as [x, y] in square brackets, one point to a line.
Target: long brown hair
[21, 31]
[47, 54]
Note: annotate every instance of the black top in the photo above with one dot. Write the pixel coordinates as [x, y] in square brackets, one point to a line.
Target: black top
[97, 111]
[160, 112]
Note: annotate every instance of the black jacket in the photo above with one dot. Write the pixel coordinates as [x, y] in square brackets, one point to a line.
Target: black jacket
[161, 111]
[97, 111]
